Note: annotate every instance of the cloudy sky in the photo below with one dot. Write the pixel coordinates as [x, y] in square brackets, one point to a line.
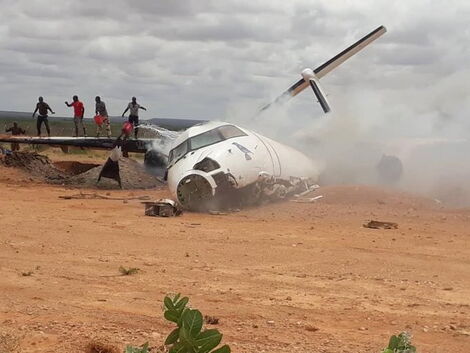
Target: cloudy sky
[223, 59]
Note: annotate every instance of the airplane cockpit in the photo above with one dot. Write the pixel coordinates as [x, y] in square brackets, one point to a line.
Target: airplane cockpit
[207, 138]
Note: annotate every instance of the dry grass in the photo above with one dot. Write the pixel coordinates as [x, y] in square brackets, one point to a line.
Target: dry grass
[128, 271]
[100, 347]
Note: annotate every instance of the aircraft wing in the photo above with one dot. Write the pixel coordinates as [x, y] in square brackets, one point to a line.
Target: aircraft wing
[329, 65]
[137, 146]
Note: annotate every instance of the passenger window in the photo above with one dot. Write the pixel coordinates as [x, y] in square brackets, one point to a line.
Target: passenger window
[229, 131]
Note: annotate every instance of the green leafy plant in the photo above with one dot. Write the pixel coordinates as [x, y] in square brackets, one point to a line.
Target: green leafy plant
[189, 336]
[400, 344]
[142, 349]
[128, 271]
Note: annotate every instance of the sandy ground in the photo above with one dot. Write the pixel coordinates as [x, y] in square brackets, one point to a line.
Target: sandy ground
[285, 277]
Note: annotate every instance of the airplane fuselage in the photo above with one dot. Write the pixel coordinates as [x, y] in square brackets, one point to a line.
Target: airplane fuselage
[215, 164]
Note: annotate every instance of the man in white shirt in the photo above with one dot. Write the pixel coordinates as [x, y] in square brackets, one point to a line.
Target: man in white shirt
[133, 108]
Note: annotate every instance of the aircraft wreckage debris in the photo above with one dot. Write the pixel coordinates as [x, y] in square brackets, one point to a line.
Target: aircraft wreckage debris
[162, 208]
[309, 190]
[308, 199]
[380, 225]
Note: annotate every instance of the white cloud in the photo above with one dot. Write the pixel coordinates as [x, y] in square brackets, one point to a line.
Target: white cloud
[200, 58]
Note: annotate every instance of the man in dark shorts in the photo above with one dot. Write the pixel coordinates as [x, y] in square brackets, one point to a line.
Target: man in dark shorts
[78, 113]
[42, 107]
[134, 107]
[15, 131]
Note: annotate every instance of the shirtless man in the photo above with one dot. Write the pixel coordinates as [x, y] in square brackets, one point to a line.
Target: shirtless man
[42, 107]
[15, 131]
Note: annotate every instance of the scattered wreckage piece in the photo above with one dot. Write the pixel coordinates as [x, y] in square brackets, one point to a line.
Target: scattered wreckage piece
[380, 225]
[307, 200]
[111, 167]
[162, 208]
[309, 190]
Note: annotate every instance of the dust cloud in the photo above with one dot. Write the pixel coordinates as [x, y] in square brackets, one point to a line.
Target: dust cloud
[419, 132]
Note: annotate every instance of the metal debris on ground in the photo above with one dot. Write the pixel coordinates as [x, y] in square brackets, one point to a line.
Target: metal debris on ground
[308, 199]
[95, 196]
[162, 208]
[110, 169]
[309, 190]
[380, 225]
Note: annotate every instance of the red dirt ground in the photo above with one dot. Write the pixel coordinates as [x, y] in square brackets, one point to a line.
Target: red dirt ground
[285, 277]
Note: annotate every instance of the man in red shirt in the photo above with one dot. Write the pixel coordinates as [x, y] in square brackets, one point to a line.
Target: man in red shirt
[78, 113]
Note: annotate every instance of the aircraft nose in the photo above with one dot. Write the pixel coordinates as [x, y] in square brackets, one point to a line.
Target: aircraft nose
[195, 192]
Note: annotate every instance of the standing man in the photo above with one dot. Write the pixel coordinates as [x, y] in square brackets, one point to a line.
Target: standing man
[15, 131]
[42, 107]
[101, 110]
[133, 107]
[78, 113]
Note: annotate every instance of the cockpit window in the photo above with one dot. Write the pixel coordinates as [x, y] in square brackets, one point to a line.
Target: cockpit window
[229, 131]
[179, 151]
[205, 139]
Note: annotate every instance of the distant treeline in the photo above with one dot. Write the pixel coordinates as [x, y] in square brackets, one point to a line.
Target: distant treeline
[60, 126]
[167, 123]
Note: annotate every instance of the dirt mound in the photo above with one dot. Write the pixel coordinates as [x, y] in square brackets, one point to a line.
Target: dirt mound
[133, 176]
[36, 164]
[85, 175]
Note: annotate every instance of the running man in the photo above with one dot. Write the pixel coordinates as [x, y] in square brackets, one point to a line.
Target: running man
[78, 113]
[43, 108]
[101, 110]
[134, 107]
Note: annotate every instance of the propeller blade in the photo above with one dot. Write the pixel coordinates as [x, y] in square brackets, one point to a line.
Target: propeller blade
[320, 96]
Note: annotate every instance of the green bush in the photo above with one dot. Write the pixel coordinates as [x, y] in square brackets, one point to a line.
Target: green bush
[143, 349]
[189, 336]
[400, 344]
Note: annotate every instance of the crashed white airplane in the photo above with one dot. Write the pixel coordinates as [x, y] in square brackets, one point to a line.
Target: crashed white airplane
[217, 165]
[220, 165]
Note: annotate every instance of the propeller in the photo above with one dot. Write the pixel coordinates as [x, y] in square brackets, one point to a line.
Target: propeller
[311, 77]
